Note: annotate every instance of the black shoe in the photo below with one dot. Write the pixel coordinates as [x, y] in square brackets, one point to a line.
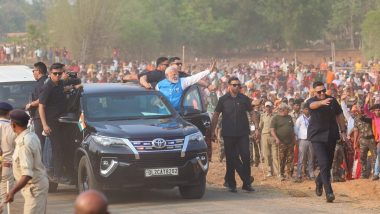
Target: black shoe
[232, 189]
[330, 197]
[318, 189]
[248, 188]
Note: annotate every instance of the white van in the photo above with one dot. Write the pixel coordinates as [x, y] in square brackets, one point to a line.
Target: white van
[16, 85]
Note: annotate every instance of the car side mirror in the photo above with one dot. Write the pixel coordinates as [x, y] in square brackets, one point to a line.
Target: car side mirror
[190, 111]
[68, 118]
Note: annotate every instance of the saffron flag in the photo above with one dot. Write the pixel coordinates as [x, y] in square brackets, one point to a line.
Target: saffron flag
[81, 123]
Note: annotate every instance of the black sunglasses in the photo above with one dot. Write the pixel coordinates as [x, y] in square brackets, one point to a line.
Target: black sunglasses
[323, 90]
[57, 73]
[236, 85]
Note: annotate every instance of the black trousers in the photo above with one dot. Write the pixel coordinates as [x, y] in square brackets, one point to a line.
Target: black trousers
[38, 128]
[237, 158]
[324, 151]
[57, 140]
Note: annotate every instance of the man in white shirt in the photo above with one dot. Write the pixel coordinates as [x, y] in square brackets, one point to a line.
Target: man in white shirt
[305, 147]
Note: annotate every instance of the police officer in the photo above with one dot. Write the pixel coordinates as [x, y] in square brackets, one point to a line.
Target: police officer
[28, 169]
[7, 138]
[40, 75]
[254, 140]
[268, 145]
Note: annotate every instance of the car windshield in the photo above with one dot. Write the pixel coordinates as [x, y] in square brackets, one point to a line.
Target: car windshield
[16, 93]
[108, 107]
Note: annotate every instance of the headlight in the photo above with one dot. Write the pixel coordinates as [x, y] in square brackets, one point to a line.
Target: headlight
[108, 165]
[192, 138]
[108, 141]
[196, 137]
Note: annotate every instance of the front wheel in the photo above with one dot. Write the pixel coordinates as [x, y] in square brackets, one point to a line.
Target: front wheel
[86, 178]
[194, 191]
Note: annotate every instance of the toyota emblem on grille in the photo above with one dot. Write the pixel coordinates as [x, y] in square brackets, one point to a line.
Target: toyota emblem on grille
[159, 143]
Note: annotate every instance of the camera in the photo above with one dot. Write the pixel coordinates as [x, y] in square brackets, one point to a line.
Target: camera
[72, 75]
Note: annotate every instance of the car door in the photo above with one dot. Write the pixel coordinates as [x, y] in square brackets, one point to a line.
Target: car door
[193, 109]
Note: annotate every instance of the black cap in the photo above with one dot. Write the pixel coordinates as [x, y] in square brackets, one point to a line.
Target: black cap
[19, 116]
[5, 106]
[298, 101]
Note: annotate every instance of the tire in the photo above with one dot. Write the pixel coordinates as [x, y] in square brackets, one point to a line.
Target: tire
[86, 178]
[194, 191]
[52, 187]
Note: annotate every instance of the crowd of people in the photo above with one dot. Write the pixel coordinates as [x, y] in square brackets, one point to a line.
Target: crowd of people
[12, 53]
[286, 101]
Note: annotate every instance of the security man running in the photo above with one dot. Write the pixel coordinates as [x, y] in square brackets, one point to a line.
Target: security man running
[7, 139]
[323, 132]
[28, 169]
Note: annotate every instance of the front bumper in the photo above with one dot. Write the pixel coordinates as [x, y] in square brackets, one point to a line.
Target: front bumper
[127, 172]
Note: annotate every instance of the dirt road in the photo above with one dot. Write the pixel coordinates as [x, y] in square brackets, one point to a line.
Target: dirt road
[217, 200]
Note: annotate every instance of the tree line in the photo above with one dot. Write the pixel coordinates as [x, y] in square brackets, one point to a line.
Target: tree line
[142, 29]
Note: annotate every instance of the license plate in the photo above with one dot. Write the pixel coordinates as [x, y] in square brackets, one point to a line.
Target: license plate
[161, 172]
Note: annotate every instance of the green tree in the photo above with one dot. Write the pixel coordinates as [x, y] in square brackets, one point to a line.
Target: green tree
[346, 18]
[88, 28]
[296, 20]
[370, 34]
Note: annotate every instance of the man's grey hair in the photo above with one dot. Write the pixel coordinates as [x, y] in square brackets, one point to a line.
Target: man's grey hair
[170, 68]
[283, 106]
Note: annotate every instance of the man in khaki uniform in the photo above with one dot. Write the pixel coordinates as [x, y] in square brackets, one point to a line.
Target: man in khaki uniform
[28, 169]
[7, 139]
[269, 148]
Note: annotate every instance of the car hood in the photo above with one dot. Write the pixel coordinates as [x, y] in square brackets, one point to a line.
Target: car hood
[144, 128]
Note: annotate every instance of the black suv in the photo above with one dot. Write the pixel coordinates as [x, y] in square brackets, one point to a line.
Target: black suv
[123, 136]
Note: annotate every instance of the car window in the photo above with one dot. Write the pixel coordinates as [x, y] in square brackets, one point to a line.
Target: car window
[192, 101]
[121, 107]
[16, 93]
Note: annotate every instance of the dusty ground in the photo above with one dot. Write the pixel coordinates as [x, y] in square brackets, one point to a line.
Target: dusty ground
[359, 193]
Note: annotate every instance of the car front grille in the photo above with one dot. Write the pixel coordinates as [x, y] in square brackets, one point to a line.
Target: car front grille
[148, 145]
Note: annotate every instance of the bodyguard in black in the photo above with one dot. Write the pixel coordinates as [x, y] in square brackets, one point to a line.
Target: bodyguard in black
[235, 131]
[323, 132]
[40, 75]
[52, 104]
